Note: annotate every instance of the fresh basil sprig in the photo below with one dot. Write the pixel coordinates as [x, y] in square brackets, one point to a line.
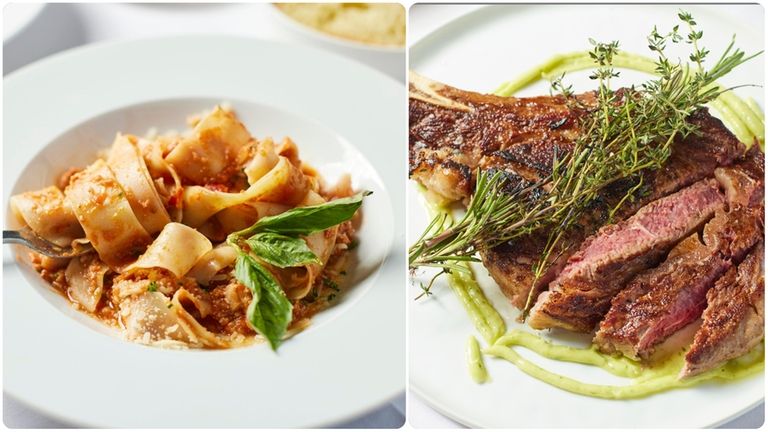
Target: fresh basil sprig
[307, 220]
[275, 240]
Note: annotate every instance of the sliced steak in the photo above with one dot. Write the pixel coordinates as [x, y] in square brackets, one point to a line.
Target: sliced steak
[581, 294]
[692, 159]
[744, 181]
[659, 302]
[663, 300]
[453, 132]
[734, 320]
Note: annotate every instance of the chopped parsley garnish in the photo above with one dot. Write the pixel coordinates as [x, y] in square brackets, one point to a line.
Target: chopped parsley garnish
[152, 286]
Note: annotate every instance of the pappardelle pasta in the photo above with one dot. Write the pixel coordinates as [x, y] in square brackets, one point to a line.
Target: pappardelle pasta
[209, 238]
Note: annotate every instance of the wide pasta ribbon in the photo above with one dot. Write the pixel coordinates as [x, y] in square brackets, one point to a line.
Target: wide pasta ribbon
[216, 145]
[283, 184]
[46, 212]
[101, 206]
[176, 249]
[131, 172]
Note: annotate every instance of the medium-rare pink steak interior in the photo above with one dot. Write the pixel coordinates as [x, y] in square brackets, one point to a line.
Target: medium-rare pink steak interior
[659, 302]
[581, 294]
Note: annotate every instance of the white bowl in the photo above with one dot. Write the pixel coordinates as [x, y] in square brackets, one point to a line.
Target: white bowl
[388, 59]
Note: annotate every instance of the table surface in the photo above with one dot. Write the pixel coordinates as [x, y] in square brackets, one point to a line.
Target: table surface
[59, 27]
[422, 20]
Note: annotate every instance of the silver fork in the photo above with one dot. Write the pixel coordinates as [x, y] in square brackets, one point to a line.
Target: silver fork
[28, 238]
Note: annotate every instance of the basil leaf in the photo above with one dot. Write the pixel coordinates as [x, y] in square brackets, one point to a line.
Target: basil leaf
[270, 312]
[271, 315]
[281, 251]
[246, 274]
[307, 220]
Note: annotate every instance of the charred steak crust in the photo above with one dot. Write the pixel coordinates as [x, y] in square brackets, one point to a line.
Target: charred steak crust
[453, 132]
[581, 294]
[734, 320]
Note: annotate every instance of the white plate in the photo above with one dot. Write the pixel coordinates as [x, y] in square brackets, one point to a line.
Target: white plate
[344, 117]
[478, 52]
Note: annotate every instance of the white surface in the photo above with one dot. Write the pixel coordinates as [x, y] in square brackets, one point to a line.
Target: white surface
[437, 339]
[322, 376]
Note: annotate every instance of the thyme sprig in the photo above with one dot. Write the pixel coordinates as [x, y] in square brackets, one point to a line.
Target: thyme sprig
[624, 133]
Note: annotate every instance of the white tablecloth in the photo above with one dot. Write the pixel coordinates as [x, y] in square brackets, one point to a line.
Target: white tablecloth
[59, 27]
[423, 19]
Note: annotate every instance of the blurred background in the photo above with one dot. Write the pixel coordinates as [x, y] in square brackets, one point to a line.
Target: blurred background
[32, 32]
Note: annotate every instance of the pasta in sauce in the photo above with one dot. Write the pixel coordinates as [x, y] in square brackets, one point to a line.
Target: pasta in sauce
[158, 210]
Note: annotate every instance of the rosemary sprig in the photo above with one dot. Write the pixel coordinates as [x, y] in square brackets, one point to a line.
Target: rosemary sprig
[623, 134]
